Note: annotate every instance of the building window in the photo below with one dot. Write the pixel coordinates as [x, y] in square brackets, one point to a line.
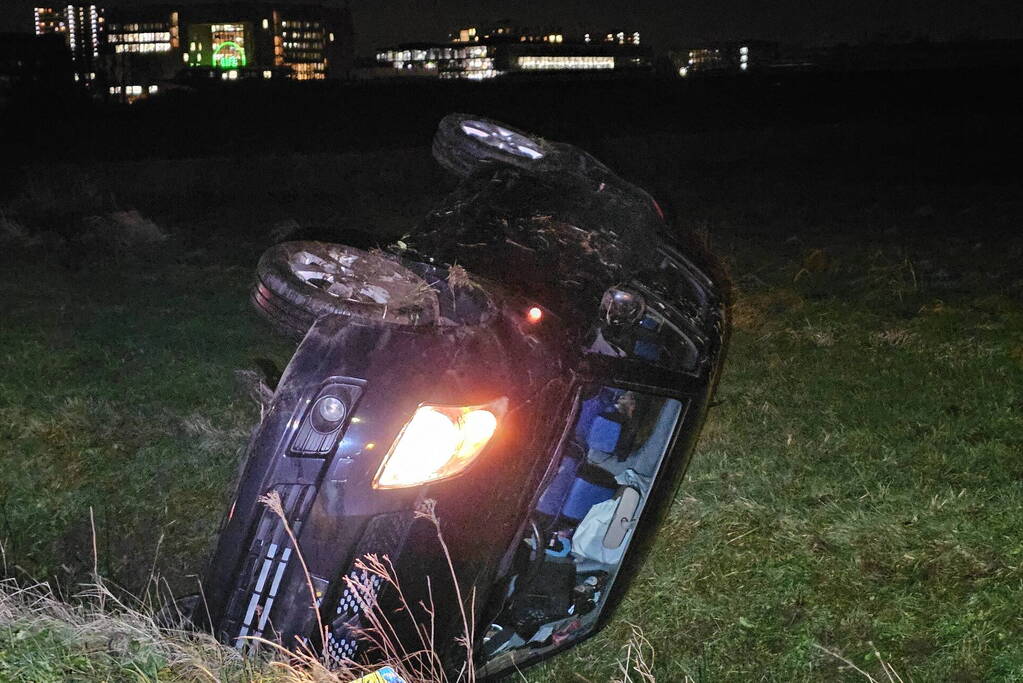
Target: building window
[228, 46]
[559, 62]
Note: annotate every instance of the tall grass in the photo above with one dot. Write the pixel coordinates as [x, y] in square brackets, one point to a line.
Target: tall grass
[384, 637]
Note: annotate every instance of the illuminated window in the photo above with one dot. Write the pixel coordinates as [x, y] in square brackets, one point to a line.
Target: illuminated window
[315, 70]
[555, 63]
[266, 24]
[228, 46]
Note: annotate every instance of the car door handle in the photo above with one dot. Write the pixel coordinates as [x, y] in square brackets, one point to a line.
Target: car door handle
[623, 519]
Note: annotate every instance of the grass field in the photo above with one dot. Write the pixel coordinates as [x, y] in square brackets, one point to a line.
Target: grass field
[858, 487]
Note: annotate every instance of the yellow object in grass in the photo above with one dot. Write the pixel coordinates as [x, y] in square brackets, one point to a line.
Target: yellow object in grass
[384, 675]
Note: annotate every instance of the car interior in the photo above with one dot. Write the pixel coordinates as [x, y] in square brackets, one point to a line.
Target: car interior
[582, 522]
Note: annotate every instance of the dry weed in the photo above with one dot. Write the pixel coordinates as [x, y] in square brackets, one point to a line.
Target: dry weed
[637, 662]
[421, 665]
[458, 277]
[896, 336]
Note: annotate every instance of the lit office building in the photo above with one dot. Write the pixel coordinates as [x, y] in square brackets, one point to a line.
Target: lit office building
[505, 32]
[722, 57]
[305, 42]
[613, 37]
[156, 33]
[142, 50]
[130, 51]
[476, 53]
[226, 46]
[82, 27]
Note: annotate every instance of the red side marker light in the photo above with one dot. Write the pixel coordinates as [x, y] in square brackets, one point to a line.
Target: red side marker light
[534, 315]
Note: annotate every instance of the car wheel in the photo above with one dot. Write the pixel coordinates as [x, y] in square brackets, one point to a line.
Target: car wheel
[298, 282]
[464, 142]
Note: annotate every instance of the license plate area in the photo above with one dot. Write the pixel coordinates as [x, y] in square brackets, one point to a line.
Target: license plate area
[582, 524]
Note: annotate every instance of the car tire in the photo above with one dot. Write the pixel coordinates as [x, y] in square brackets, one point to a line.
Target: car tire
[465, 142]
[298, 282]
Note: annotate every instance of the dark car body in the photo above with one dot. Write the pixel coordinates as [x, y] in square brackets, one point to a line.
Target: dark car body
[588, 394]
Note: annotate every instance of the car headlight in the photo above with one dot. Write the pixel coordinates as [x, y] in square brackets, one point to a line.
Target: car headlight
[437, 443]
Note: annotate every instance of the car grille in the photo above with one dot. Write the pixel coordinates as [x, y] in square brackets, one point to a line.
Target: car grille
[384, 536]
[264, 566]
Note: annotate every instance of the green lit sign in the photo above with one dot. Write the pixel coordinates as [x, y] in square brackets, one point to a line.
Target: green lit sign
[229, 55]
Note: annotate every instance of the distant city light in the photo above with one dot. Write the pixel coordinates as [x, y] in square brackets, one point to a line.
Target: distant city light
[136, 33]
[550, 62]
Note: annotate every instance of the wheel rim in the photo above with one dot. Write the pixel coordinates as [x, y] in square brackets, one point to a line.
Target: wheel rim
[499, 137]
[360, 278]
[332, 276]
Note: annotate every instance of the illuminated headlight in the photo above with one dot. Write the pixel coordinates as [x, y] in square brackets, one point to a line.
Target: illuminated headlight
[437, 443]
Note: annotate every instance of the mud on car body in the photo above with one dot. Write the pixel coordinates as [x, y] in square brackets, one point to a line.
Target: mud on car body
[533, 362]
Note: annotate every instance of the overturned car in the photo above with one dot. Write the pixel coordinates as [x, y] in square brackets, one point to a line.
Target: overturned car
[531, 365]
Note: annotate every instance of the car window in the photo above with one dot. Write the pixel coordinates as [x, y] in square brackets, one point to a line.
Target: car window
[582, 523]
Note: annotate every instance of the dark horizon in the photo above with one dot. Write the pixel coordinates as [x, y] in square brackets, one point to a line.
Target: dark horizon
[664, 24]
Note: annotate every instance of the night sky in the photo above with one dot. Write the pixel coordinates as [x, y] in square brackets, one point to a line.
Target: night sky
[666, 23]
